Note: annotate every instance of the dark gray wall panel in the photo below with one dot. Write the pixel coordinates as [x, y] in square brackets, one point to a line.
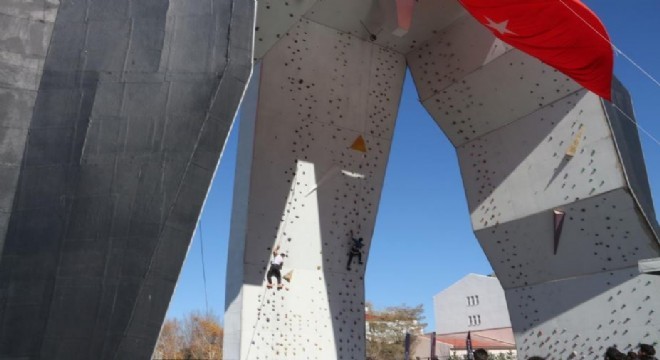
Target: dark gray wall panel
[25, 30]
[626, 137]
[130, 118]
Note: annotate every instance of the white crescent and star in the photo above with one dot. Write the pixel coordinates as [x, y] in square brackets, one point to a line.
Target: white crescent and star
[500, 27]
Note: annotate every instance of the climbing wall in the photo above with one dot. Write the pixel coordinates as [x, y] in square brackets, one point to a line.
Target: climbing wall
[531, 142]
[110, 145]
[312, 154]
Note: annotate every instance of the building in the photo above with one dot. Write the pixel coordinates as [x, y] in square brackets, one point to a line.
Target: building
[475, 304]
[422, 350]
[496, 342]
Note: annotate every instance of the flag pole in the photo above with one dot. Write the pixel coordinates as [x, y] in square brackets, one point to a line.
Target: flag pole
[468, 347]
[433, 346]
[407, 347]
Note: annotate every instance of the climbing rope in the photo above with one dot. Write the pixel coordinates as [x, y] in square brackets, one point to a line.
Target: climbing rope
[278, 241]
[625, 56]
[201, 247]
[636, 123]
[616, 49]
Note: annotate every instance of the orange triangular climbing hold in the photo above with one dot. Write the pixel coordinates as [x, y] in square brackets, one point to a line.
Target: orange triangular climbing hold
[359, 144]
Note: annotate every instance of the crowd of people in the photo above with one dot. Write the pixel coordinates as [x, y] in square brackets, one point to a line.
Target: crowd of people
[644, 352]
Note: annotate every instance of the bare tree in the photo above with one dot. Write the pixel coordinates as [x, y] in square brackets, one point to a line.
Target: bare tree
[198, 336]
[203, 337]
[170, 342]
[386, 331]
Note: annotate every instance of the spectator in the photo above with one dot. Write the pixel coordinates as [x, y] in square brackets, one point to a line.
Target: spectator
[480, 354]
[646, 352]
[613, 353]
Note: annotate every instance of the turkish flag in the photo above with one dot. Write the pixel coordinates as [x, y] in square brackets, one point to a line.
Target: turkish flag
[564, 34]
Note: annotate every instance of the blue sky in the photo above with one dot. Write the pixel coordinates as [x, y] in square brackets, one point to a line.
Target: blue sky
[423, 241]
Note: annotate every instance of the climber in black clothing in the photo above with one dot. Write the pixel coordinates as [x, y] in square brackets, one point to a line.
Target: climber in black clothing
[356, 250]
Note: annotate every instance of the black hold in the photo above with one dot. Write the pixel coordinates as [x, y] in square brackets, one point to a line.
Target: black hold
[372, 36]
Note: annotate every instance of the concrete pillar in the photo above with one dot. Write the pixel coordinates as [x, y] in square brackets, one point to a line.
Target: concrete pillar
[304, 183]
[530, 141]
[130, 117]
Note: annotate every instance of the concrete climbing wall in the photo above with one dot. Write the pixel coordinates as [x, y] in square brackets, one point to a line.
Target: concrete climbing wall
[109, 146]
[113, 115]
[302, 185]
[530, 141]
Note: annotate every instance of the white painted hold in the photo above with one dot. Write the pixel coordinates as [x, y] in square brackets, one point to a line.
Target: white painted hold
[354, 175]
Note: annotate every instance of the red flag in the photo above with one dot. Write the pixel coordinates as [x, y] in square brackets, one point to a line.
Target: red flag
[564, 34]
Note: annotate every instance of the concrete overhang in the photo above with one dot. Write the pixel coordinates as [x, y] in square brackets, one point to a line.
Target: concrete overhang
[649, 266]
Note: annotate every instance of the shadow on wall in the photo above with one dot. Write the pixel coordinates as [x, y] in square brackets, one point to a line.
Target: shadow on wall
[489, 170]
[616, 307]
[629, 146]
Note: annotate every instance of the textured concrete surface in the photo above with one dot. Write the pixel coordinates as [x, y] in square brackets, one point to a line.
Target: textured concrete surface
[319, 90]
[513, 121]
[529, 141]
[475, 302]
[25, 30]
[113, 115]
[110, 144]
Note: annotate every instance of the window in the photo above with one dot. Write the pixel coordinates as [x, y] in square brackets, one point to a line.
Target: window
[474, 320]
[476, 297]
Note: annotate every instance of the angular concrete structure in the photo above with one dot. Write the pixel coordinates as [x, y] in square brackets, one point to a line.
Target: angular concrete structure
[539, 143]
[302, 187]
[530, 142]
[114, 114]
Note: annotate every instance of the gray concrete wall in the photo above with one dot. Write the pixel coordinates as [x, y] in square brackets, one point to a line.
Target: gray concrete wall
[25, 30]
[114, 114]
[512, 120]
[300, 185]
[130, 117]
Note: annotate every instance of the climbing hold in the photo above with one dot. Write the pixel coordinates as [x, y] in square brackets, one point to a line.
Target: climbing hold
[559, 224]
[359, 144]
[574, 145]
[288, 276]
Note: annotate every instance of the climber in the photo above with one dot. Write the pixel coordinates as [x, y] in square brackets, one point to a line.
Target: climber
[356, 250]
[275, 268]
